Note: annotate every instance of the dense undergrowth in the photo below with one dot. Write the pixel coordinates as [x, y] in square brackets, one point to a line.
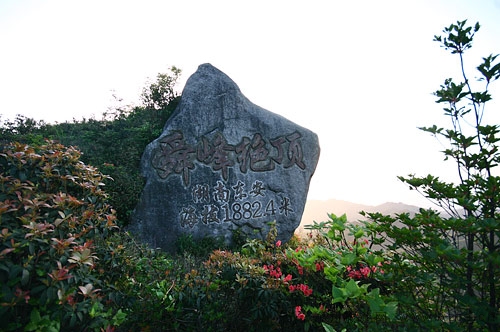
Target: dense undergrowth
[65, 264]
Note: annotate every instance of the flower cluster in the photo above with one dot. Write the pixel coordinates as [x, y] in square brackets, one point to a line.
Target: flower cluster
[276, 273]
[20, 294]
[362, 272]
[300, 287]
[272, 271]
[320, 266]
[298, 313]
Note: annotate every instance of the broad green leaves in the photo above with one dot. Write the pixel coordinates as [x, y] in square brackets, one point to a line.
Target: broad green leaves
[350, 265]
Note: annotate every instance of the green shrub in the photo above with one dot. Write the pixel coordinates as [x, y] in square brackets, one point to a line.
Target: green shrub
[268, 286]
[231, 292]
[145, 279]
[445, 263]
[348, 277]
[186, 244]
[53, 221]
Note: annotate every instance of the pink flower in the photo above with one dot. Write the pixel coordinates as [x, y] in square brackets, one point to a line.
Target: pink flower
[278, 243]
[71, 300]
[275, 273]
[362, 272]
[298, 313]
[288, 278]
[305, 289]
[365, 271]
[353, 274]
[269, 269]
[19, 293]
[301, 287]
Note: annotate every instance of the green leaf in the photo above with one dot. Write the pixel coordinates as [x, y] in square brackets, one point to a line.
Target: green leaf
[391, 309]
[352, 289]
[329, 328]
[331, 273]
[34, 322]
[25, 277]
[349, 258]
[378, 306]
[359, 233]
[119, 317]
[339, 294]
[375, 302]
[373, 260]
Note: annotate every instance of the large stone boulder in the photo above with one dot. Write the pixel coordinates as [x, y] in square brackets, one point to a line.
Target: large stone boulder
[223, 164]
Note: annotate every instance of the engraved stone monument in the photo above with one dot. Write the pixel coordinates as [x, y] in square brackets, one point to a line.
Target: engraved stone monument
[223, 164]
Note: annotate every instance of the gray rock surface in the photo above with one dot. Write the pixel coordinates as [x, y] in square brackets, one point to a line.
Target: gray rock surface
[223, 164]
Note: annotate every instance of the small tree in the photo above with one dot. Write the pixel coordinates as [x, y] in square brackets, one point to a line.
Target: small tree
[156, 96]
[447, 263]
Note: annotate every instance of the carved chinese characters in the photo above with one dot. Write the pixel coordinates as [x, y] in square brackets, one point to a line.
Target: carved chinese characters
[224, 202]
[223, 164]
[231, 204]
[176, 156]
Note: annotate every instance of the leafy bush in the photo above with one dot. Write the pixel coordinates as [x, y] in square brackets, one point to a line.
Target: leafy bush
[268, 286]
[350, 276]
[445, 265]
[145, 279]
[53, 220]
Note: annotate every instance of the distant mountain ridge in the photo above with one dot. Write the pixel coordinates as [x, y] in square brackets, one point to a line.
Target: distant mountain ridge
[317, 210]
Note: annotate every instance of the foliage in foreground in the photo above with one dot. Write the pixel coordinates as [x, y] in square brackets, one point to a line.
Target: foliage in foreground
[54, 220]
[266, 286]
[64, 265]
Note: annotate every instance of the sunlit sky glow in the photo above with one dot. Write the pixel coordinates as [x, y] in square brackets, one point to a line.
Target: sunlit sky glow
[358, 73]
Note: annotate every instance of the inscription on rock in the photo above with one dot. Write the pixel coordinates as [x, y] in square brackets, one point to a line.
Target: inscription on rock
[176, 156]
[223, 164]
[224, 203]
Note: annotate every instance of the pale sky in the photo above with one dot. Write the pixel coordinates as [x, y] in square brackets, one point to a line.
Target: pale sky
[358, 73]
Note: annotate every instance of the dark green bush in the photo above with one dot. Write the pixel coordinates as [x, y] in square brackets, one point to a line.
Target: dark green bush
[198, 247]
